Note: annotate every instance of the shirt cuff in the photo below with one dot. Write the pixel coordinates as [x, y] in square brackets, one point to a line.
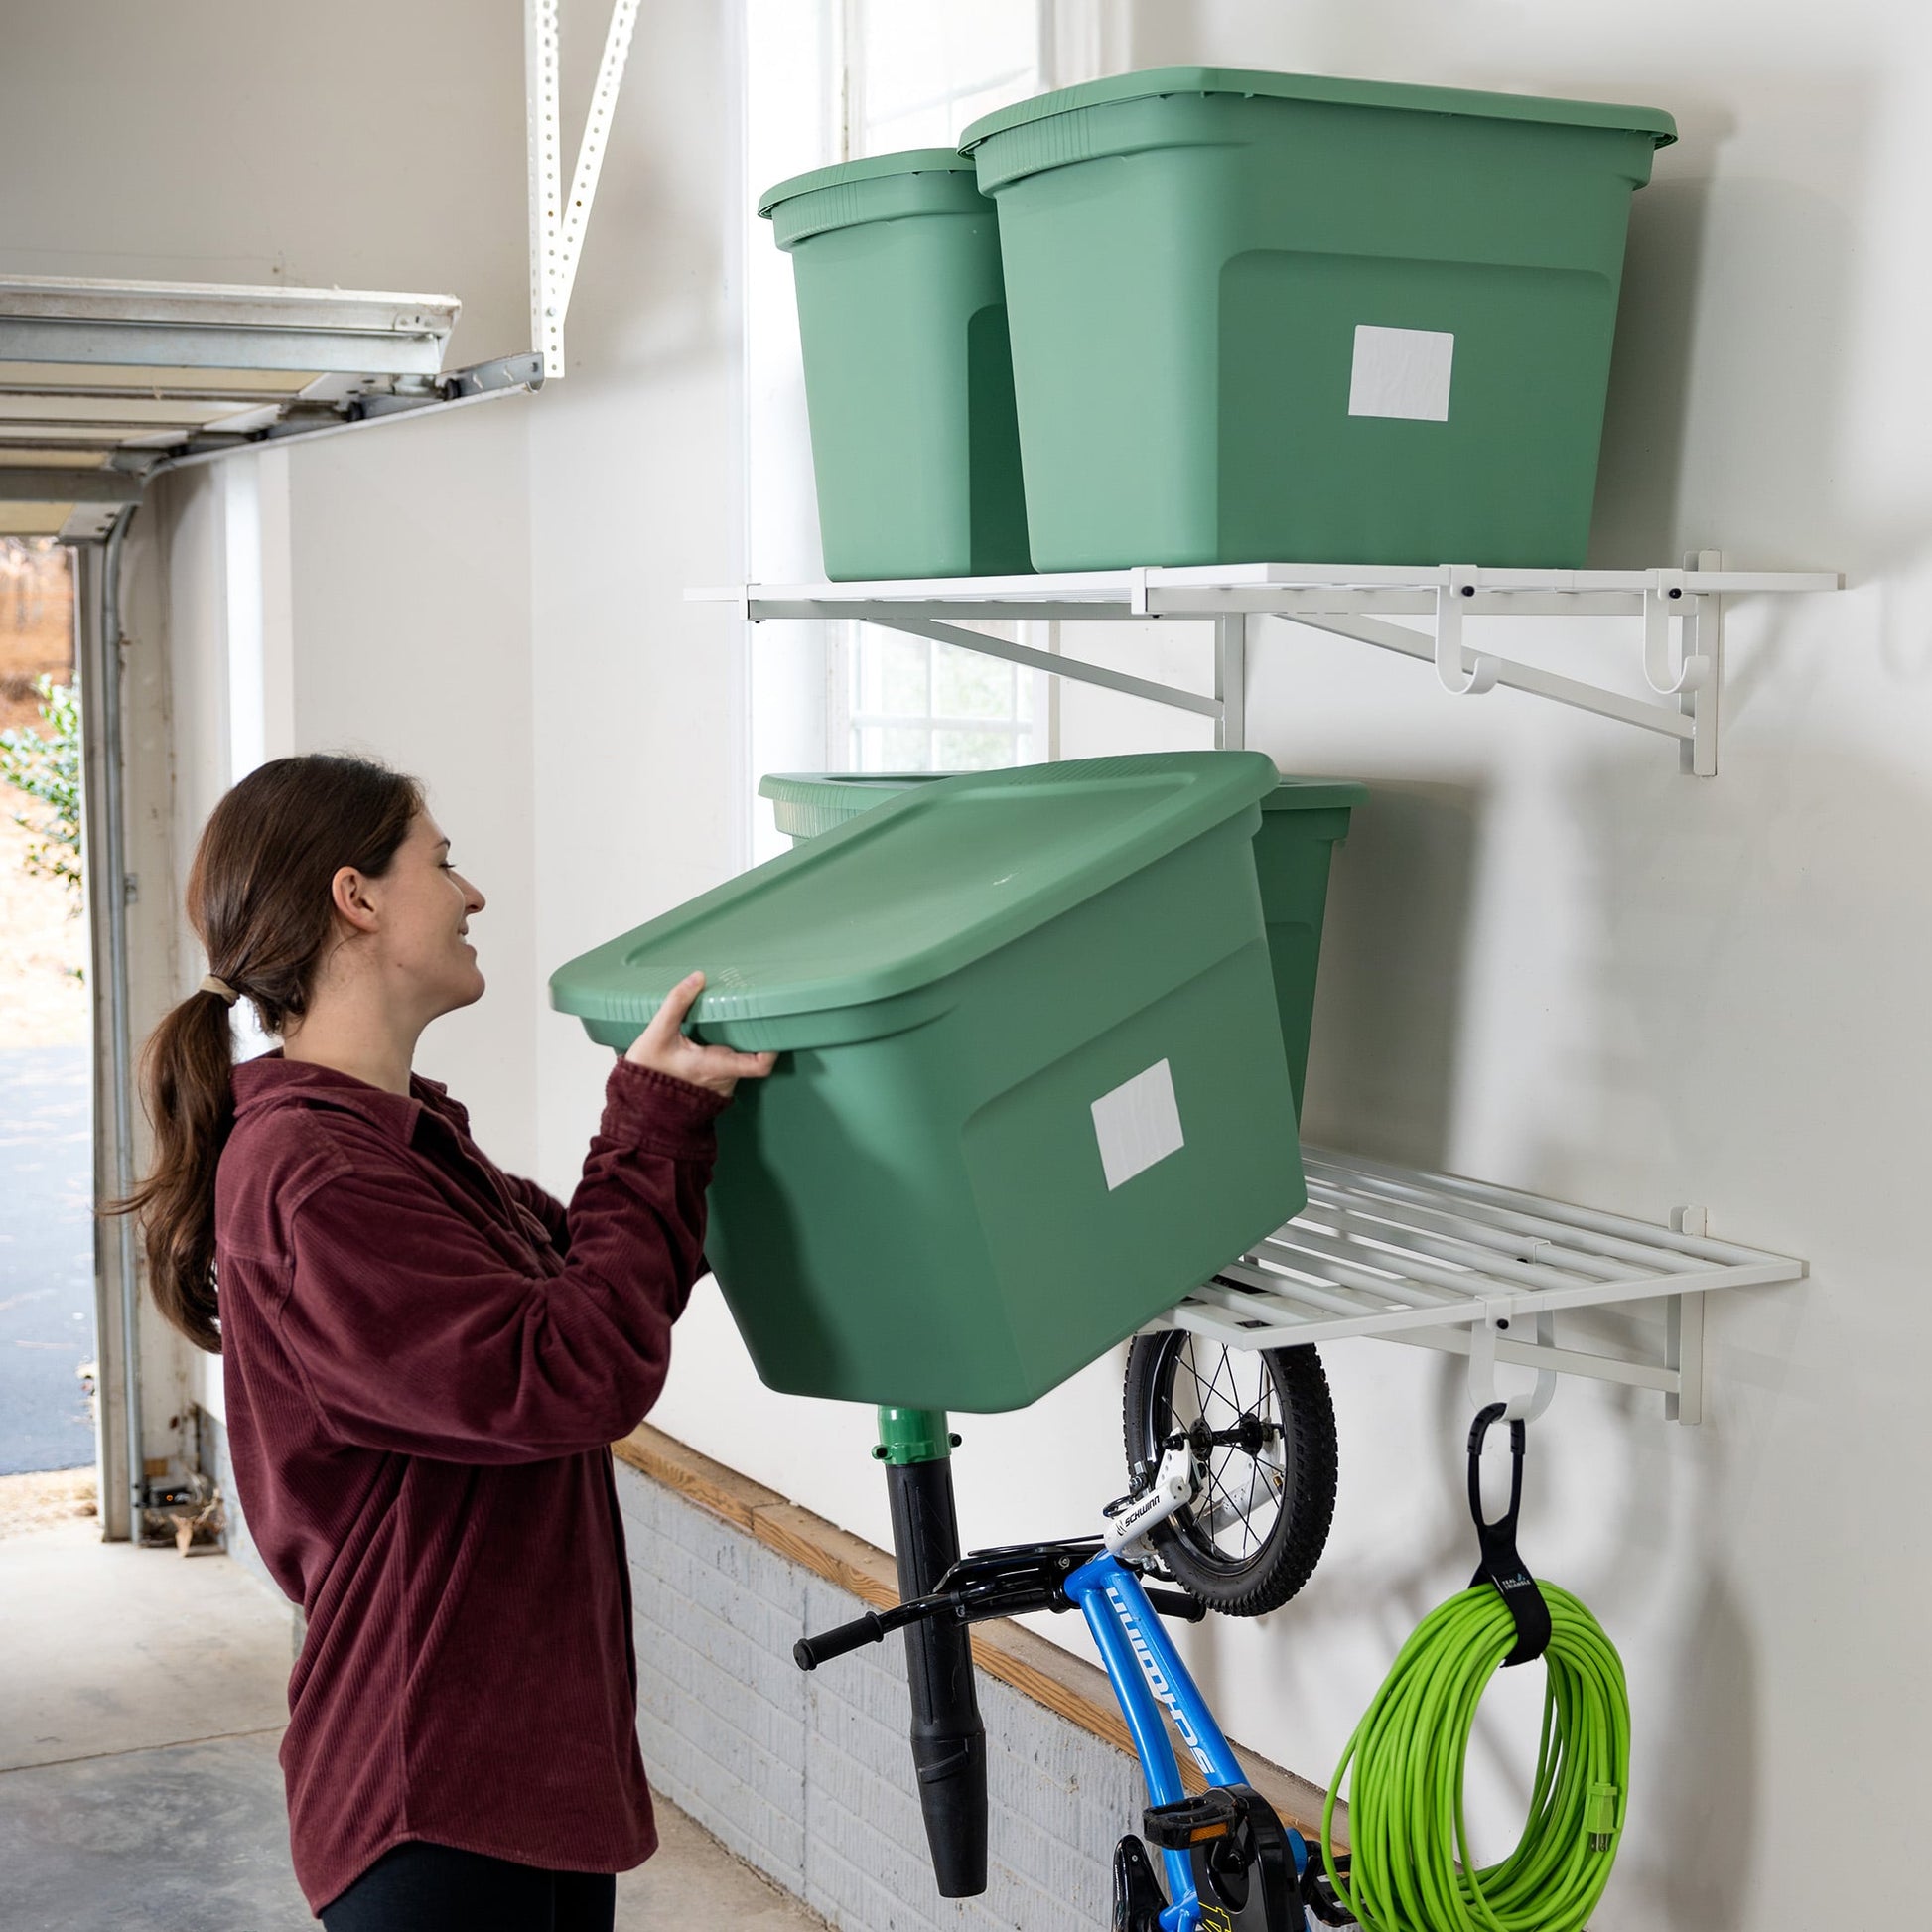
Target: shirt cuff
[646, 1109]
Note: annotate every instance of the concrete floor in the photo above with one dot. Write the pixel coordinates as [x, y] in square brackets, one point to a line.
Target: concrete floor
[141, 1704]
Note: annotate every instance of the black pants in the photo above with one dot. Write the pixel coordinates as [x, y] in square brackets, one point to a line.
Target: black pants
[418, 1887]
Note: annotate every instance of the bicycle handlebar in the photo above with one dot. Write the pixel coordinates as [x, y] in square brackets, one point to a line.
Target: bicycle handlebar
[1010, 1592]
[810, 1652]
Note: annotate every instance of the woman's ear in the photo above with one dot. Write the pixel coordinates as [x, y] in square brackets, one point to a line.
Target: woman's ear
[349, 893]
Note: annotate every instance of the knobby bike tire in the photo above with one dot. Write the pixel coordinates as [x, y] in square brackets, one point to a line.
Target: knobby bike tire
[1240, 1582]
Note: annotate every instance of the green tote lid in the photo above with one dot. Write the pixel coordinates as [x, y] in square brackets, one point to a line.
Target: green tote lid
[1316, 796]
[912, 890]
[873, 167]
[1155, 82]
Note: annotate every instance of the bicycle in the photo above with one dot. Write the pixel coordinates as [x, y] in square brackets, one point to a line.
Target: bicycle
[1231, 1864]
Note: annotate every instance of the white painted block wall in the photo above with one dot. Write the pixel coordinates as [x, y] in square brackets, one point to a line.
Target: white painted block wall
[810, 1777]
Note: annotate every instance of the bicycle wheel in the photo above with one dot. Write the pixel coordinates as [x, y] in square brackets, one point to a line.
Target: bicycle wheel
[1264, 1422]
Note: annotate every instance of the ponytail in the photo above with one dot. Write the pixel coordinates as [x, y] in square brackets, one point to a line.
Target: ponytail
[185, 1082]
[258, 899]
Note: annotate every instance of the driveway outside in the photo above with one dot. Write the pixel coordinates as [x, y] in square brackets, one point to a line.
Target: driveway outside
[47, 1265]
[47, 1295]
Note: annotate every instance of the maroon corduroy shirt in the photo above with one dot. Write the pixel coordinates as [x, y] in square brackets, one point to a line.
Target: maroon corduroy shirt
[426, 1360]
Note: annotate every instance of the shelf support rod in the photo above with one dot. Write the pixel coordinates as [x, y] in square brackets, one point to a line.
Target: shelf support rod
[896, 618]
[1614, 1369]
[1670, 722]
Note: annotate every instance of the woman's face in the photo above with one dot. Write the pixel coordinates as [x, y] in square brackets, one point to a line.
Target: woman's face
[423, 907]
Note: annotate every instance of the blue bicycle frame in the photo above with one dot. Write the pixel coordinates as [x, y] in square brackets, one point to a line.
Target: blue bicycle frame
[1147, 1676]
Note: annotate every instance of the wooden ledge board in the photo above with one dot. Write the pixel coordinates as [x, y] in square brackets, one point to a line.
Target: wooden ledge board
[1066, 1685]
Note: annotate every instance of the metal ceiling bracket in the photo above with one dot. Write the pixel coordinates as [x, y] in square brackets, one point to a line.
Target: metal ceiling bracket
[557, 221]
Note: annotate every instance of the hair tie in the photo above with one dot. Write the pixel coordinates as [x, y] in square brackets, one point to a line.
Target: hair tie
[220, 988]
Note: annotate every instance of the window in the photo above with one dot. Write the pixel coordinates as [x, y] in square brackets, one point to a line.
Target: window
[830, 83]
[915, 706]
[917, 72]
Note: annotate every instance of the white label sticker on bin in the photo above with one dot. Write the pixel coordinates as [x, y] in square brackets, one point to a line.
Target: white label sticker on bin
[1401, 373]
[1136, 1125]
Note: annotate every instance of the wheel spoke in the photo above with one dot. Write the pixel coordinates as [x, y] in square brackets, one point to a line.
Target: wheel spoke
[1223, 1367]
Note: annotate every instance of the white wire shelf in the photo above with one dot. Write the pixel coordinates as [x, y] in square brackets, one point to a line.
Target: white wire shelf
[1675, 616]
[1470, 1268]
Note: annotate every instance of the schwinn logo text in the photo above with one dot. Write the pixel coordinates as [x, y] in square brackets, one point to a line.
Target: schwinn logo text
[1157, 1679]
[1137, 1511]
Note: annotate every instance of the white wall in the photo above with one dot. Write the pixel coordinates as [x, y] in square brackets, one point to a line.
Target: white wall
[411, 588]
[1554, 962]
[633, 496]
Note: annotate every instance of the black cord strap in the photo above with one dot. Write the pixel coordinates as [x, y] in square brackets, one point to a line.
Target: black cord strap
[1501, 1564]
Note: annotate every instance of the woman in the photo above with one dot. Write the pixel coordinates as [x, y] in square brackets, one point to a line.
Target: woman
[425, 1362]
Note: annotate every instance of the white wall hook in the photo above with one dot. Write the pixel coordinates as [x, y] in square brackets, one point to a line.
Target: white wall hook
[1665, 597]
[1498, 1320]
[1464, 677]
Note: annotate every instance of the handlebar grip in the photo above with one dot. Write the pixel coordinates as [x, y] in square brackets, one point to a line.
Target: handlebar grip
[810, 1652]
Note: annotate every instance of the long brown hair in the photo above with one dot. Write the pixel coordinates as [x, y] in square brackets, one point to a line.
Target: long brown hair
[258, 899]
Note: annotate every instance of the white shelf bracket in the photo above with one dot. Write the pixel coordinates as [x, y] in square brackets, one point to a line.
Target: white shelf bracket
[1231, 683]
[1700, 701]
[557, 221]
[1462, 676]
[1684, 1334]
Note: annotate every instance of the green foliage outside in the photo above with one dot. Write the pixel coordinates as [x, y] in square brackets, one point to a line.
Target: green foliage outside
[46, 767]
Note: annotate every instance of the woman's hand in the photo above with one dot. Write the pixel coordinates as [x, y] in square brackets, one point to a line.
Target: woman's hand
[663, 1048]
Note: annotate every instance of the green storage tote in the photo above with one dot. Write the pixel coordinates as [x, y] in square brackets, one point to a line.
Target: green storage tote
[1271, 316]
[909, 381]
[1031, 1088]
[1302, 821]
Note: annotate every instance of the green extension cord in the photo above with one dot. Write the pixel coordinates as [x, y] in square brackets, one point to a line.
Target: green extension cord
[1406, 1826]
